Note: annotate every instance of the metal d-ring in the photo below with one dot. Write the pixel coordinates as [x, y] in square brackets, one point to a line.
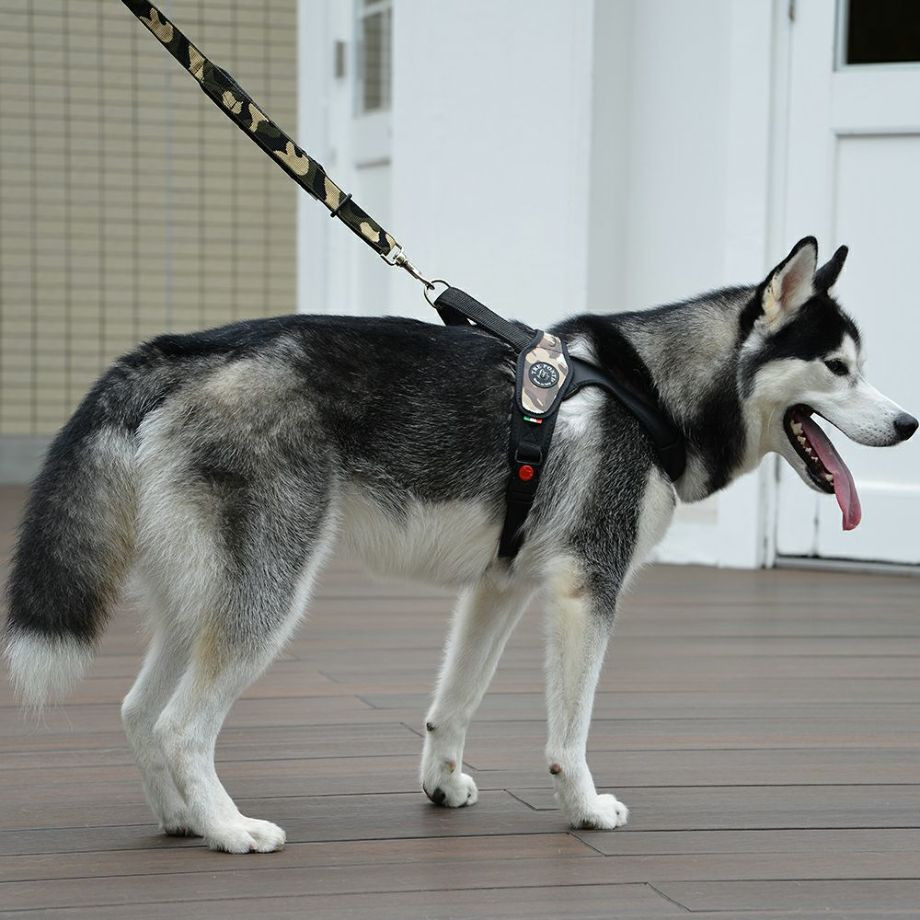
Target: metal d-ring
[434, 290]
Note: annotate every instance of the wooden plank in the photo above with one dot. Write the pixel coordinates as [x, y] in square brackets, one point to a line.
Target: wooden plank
[728, 767]
[446, 874]
[594, 902]
[98, 776]
[249, 743]
[489, 865]
[838, 895]
[786, 841]
[371, 670]
[753, 807]
[817, 700]
[430, 876]
[308, 818]
[88, 718]
[501, 707]
[249, 778]
[886, 731]
[332, 854]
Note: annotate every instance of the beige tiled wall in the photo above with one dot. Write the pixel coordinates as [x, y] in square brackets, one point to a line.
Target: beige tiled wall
[129, 205]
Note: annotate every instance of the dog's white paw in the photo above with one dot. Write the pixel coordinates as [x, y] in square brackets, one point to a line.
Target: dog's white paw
[245, 835]
[603, 813]
[452, 790]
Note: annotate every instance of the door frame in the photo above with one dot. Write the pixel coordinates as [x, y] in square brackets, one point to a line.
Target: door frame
[862, 100]
[328, 129]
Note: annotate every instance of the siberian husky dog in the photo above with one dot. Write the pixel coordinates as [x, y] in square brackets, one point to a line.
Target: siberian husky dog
[221, 466]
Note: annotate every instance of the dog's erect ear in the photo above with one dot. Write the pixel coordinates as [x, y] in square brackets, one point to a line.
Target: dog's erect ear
[791, 283]
[826, 275]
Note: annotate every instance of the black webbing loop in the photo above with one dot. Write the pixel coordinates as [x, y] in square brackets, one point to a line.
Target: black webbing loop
[456, 307]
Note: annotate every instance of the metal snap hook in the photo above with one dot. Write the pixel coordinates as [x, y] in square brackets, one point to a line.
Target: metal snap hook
[397, 258]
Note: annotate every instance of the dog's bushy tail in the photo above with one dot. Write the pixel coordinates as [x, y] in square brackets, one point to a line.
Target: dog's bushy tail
[75, 545]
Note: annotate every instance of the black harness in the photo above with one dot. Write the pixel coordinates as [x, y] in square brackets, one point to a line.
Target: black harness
[546, 376]
[546, 373]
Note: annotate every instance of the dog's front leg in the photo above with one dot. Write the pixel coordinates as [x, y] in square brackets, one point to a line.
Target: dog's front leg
[579, 620]
[484, 618]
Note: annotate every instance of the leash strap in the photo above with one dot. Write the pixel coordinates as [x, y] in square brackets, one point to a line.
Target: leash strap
[240, 108]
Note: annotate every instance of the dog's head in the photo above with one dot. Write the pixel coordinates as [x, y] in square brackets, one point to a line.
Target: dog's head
[801, 357]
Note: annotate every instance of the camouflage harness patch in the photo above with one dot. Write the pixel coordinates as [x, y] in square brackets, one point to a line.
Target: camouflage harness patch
[543, 376]
[546, 374]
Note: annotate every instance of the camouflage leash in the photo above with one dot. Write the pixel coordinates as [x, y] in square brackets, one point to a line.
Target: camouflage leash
[240, 108]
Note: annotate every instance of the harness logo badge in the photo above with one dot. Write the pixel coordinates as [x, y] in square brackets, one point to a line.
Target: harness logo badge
[543, 375]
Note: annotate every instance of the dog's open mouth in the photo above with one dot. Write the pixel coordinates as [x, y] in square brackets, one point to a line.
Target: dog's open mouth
[825, 466]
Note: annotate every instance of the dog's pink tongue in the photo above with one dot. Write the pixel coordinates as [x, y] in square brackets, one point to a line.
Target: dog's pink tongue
[844, 487]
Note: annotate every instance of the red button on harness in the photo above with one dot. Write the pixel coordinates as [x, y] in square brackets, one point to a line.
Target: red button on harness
[526, 472]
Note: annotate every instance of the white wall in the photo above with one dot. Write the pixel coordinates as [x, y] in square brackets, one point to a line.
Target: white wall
[491, 143]
[551, 157]
[680, 174]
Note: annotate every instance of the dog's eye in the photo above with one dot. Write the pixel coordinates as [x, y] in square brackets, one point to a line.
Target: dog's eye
[836, 366]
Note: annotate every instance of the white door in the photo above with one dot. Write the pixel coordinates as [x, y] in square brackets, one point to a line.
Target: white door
[853, 176]
[349, 45]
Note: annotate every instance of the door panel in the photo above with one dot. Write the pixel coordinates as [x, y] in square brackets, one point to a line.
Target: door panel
[854, 146]
[359, 131]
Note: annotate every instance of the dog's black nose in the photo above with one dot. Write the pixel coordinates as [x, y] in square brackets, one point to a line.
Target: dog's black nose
[905, 425]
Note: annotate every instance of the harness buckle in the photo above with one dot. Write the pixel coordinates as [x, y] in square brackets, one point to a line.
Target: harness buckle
[528, 454]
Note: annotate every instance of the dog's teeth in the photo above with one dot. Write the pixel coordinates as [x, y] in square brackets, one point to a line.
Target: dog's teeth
[829, 477]
[802, 440]
[797, 428]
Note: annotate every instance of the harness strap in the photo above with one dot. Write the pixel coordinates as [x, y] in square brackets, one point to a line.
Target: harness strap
[538, 395]
[666, 438]
[240, 108]
[457, 308]
[528, 451]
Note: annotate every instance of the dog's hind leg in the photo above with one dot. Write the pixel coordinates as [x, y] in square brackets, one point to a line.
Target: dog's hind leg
[579, 620]
[187, 731]
[483, 621]
[235, 567]
[165, 662]
[232, 648]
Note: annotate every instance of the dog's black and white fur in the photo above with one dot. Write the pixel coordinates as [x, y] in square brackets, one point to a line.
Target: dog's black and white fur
[221, 467]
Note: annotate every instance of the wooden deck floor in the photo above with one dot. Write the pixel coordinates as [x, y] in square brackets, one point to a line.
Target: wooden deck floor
[763, 727]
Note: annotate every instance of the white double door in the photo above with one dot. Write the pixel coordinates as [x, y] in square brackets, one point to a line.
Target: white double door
[853, 176]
